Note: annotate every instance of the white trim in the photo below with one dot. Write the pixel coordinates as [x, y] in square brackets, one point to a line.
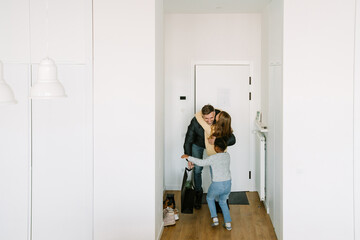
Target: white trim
[173, 188]
[30, 151]
[267, 208]
[162, 223]
[356, 123]
[161, 231]
[60, 62]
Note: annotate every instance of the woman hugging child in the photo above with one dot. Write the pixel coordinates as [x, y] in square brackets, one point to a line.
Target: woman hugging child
[221, 180]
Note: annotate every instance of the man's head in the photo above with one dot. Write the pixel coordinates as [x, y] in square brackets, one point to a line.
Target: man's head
[208, 114]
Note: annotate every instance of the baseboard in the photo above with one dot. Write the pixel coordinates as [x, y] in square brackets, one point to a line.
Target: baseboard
[266, 207]
[161, 231]
[173, 187]
[162, 222]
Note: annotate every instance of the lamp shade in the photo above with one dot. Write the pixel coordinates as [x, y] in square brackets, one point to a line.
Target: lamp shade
[47, 85]
[6, 94]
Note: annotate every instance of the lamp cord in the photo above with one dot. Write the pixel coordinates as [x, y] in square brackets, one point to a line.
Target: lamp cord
[47, 28]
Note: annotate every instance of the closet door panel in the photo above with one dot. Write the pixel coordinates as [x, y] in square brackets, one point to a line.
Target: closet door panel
[62, 159]
[15, 157]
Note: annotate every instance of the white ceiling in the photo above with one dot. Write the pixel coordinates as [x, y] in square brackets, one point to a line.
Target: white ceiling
[214, 6]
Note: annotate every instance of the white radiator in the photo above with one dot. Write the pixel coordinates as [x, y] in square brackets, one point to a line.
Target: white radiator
[260, 165]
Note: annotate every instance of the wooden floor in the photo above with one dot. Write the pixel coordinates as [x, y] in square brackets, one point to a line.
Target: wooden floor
[249, 222]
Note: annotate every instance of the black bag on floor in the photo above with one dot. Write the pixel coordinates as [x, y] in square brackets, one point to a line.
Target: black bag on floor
[187, 193]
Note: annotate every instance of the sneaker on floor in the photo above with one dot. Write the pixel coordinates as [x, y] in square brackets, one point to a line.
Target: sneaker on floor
[169, 217]
[165, 203]
[215, 222]
[171, 198]
[176, 214]
[227, 226]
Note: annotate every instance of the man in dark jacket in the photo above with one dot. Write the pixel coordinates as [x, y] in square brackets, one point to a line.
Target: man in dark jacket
[195, 145]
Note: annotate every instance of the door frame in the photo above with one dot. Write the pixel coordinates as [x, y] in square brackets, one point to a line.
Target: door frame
[252, 109]
[356, 124]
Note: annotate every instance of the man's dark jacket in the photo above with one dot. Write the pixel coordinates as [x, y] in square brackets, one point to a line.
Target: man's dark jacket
[195, 135]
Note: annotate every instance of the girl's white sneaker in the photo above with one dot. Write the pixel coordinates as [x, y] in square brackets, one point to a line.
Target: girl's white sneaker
[227, 226]
[215, 222]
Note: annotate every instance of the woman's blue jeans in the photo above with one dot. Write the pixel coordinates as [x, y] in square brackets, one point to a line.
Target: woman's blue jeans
[197, 152]
[222, 191]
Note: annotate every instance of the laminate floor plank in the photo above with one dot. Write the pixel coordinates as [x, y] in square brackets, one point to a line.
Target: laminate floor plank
[249, 222]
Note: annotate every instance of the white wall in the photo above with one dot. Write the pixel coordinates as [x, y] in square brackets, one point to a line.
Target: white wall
[265, 64]
[318, 119]
[125, 109]
[159, 117]
[201, 37]
[271, 105]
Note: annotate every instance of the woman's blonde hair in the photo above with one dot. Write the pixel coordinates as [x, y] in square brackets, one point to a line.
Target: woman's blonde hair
[222, 127]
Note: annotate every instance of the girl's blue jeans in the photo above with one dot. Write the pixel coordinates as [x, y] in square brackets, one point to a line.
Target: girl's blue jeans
[220, 190]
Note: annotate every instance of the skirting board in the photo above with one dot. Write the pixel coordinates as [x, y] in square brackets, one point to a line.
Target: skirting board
[178, 188]
[161, 231]
[266, 207]
[162, 224]
[173, 187]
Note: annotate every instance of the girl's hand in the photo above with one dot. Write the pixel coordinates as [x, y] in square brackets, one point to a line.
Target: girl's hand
[190, 165]
[212, 140]
[185, 156]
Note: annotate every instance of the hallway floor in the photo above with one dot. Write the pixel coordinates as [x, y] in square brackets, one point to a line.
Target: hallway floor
[249, 222]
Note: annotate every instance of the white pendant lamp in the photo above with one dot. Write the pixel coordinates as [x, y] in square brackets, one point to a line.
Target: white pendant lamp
[47, 85]
[6, 94]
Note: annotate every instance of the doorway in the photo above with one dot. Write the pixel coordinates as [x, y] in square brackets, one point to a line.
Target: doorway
[217, 37]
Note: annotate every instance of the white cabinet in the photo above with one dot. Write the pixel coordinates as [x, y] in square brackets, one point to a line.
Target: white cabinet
[53, 199]
[15, 157]
[62, 160]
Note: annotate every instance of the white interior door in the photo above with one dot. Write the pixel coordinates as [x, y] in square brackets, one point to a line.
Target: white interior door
[226, 87]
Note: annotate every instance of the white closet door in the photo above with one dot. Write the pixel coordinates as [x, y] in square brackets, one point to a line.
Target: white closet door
[14, 156]
[62, 160]
[226, 87]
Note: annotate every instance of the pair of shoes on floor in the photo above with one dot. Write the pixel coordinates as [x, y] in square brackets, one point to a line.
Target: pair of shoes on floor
[171, 198]
[169, 201]
[170, 216]
[215, 222]
[169, 204]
